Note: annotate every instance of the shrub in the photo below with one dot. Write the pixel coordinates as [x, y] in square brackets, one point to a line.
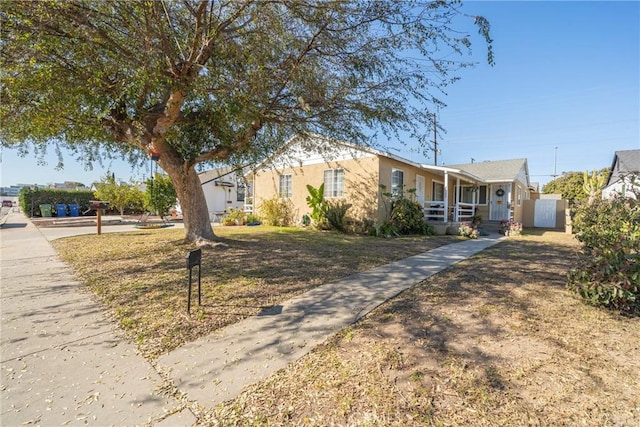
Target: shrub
[335, 213]
[318, 205]
[32, 198]
[235, 217]
[407, 216]
[278, 212]
[608, 270]
[466, 230]
[252, 218]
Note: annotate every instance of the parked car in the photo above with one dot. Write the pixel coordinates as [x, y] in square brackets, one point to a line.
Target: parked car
[7, 203]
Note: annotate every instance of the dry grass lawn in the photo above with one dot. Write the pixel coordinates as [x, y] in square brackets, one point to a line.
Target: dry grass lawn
[493, 341]
[141, 277]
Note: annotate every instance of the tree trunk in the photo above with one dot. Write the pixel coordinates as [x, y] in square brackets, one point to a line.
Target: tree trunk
[194, 205]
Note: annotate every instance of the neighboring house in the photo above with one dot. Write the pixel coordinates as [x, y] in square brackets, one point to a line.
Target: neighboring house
[506, 186]
[356, 175]
[223, 188]
[624, 174]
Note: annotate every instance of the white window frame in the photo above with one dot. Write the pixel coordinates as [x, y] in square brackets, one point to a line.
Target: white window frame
[333, 183]
[473, 194]
[433, 190]
[396, 189]
[286, 186]
[519, 196]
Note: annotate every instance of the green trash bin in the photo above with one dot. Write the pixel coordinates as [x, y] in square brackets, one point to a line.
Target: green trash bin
[45, 210]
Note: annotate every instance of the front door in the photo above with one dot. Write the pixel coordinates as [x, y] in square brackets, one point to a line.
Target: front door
[500, 197]
[420, 184]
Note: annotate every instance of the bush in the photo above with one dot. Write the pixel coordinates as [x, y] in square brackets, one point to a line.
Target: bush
[407, 216]
[608, 271]
[235, 217]
[33, 198]
[335, 214]
[278, 212]
[466, 230]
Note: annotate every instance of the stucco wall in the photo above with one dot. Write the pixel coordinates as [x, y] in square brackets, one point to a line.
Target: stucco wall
[528, 212]
[360, 185]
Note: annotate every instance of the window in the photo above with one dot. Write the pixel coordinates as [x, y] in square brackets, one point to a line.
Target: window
[476, 194]
[438, 191]
[334, 183]
[397, 181]
[482, 195]
[519, 196]
[285, 186]
[240, 190]
[466, 194]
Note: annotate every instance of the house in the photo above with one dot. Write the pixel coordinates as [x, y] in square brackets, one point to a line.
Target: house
[505, 186]
[224, 188]
[624, 175]
[361, 175]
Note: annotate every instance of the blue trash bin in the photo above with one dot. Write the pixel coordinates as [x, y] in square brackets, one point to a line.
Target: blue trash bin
[74, 209]
[61, 210]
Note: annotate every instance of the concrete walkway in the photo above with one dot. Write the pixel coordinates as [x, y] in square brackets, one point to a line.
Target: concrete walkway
[63, 361]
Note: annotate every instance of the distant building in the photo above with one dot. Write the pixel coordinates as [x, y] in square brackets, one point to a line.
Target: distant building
[624, 174]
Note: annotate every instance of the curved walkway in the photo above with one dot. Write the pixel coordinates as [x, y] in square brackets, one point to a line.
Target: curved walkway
[64, 362]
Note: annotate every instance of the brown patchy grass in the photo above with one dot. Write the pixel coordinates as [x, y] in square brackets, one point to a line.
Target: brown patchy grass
[495, 340]
[141, 277]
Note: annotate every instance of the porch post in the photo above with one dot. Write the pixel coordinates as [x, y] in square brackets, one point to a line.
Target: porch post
[456, 200]
[446, 196]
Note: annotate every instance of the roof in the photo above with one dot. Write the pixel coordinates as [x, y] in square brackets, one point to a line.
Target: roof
[496, 170]
[217, 174]
[330, 143]
[627, 161]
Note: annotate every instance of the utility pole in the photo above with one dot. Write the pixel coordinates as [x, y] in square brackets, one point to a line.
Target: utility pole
[435, 140]
[555, 161]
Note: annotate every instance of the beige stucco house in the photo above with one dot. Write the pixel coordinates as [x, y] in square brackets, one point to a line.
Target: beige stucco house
[360, 175]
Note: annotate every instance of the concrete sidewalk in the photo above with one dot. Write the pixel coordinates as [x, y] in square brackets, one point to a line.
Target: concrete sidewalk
[63, 361]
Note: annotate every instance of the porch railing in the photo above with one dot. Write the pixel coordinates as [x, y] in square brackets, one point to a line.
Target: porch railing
[435, 210]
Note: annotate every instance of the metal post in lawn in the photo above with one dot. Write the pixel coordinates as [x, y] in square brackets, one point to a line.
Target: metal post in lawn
[194, 258]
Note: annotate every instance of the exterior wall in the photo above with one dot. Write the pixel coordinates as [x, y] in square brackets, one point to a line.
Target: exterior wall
[411, 172]
[360, 185]
[220, 198]
[623, 186]
[528, 213]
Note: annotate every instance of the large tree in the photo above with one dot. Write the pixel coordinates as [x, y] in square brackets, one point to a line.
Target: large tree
[197, 81]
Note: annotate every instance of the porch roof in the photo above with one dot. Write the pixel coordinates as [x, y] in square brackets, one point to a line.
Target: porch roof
[496, 170]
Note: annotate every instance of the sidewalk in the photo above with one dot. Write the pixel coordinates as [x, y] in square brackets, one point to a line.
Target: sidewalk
[62, 360]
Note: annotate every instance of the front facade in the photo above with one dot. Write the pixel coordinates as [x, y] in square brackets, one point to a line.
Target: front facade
[224, 189]
[506, 185]
[624, 174]
[361, 176]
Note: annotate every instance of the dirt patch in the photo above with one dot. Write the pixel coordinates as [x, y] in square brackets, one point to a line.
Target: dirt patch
[494, 340]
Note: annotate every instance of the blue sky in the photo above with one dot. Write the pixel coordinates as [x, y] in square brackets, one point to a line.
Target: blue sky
[566, 75]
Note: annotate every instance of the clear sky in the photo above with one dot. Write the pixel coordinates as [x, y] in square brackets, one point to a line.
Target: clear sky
[567, 75]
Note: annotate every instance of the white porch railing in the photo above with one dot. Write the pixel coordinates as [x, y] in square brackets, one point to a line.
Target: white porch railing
[435, 210]
[464, 211]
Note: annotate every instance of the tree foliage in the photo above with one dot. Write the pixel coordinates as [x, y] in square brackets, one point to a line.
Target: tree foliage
[199, 81]
[572, 185]
[608, 273]
[160, 195]
[121, 196]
